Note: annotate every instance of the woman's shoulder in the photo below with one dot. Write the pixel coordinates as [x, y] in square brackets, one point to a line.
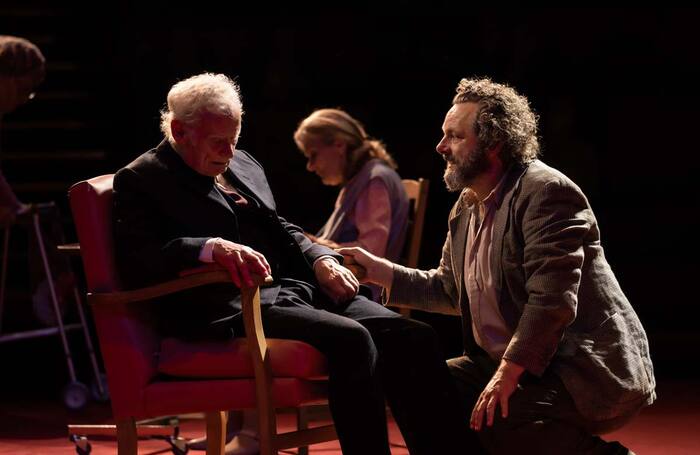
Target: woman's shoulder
[377, 168]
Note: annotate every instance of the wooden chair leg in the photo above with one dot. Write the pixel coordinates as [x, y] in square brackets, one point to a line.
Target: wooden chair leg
[303, 424]
[127, 438]
[267, 428]
[216, 432]
[267, 419]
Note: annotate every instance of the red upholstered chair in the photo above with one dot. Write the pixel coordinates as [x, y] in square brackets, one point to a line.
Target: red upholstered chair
[201, 377]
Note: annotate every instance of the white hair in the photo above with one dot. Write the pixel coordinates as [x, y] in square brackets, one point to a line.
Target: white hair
[188, 99]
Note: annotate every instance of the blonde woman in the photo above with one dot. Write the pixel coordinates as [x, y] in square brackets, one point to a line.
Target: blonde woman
[372, 207]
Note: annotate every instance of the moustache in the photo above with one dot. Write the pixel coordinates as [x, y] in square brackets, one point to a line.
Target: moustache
[449, 159]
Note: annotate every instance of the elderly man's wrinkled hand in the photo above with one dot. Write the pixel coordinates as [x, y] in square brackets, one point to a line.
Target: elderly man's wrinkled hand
[336, 281]
[241, 261]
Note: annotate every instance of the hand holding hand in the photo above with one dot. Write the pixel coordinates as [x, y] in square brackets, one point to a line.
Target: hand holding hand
[370, 268]
[240, 261]
[336, 281]
[356, 269]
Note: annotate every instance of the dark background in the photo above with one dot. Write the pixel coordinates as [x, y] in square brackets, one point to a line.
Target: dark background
[616, 91]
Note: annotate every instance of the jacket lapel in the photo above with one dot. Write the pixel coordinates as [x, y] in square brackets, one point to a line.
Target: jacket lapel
[199, 184]
[500, 223]
[244, 172]
[458, 238]
[216, 196]
[458, 241]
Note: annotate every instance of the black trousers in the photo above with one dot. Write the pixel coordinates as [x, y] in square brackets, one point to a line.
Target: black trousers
[542, 416]
[374, 354]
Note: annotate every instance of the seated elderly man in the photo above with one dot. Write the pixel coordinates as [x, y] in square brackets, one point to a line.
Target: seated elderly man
[195, 198]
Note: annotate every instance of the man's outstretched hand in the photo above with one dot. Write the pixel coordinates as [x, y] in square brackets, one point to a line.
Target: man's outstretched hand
[367, 267]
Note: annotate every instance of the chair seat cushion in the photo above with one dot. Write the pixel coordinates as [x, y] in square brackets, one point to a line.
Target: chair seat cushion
[230, 359]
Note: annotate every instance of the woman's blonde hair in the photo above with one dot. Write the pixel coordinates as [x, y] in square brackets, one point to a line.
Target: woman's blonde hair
[328, 125]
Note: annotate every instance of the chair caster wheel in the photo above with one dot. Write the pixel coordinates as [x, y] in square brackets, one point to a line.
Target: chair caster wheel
[75, 395]
[82, 446]
[178, 445]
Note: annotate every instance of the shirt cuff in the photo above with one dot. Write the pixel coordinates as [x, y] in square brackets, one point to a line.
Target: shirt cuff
[207, 252]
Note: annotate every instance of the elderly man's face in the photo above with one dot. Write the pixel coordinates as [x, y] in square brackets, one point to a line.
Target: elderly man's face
[459, 146]
[208, 145]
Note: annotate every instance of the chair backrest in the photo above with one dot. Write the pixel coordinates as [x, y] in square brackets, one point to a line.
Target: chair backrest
[91, 204]
[127, 339]
[417, 191]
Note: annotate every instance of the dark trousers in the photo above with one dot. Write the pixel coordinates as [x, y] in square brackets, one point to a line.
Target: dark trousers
[542, 416]
[375, 354]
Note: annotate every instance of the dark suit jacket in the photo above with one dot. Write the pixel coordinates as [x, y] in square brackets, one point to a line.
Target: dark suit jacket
[164, 212]
[558, 294]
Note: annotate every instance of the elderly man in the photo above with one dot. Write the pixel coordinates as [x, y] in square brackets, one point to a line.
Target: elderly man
[196, 198]
[554, 352]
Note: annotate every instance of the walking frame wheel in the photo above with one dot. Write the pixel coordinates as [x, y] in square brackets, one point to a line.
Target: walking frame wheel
[75, 395]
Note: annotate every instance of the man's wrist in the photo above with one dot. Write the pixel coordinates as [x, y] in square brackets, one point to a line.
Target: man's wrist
[324, 257]
[206, 254]
[511, 369]
[384, 273]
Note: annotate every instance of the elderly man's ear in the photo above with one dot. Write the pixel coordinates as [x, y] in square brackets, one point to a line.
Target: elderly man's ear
[177, 128]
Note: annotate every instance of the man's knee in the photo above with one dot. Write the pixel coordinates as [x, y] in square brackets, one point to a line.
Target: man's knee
[353, 341]
[409, 332]
[464, 369]
[421, 330]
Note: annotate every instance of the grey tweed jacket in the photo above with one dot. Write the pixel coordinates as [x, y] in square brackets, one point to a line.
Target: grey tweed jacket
[557, 293]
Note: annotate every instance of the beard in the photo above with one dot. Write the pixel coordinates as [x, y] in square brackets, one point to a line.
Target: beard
[461, 174]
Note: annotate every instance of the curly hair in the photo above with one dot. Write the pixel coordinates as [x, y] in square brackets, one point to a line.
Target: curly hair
[327, 125]
[503, 117]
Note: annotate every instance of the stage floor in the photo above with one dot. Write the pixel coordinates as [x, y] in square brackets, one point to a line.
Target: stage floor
[670, 427]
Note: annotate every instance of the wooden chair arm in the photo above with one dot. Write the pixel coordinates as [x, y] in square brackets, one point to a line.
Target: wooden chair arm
[187, 281]
[252, 320]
